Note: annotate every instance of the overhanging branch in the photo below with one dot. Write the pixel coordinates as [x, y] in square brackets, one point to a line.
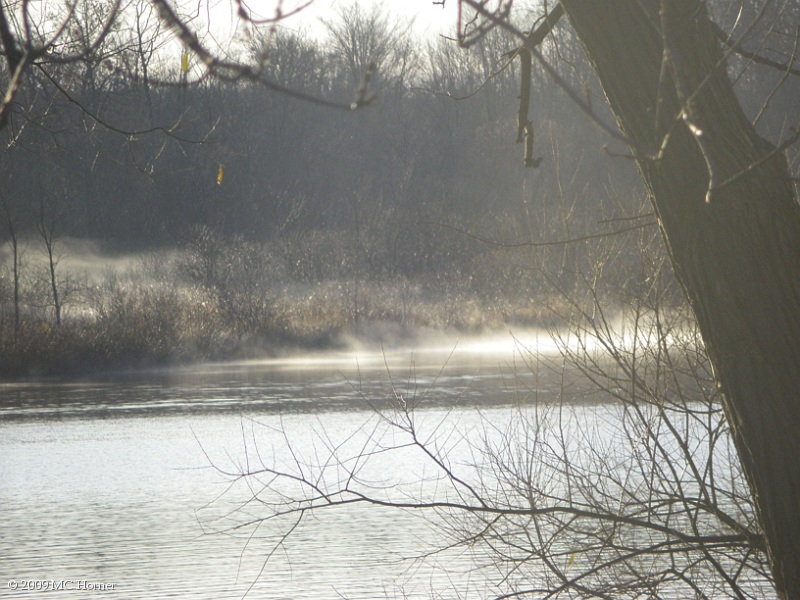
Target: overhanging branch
[738, 48]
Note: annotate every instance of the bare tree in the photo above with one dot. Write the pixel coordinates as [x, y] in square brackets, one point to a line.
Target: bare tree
[627, 485]
[727, 207]
[47, 227]
[364, 40]
[13, 243]
[670, 509]
[723, 195]
[71, 48]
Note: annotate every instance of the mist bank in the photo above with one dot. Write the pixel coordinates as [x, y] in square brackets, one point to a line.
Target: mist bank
[227, 300]
[71, 306]
[261, 223]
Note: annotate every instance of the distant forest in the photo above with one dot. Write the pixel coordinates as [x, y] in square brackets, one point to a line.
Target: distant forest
[246, 190]
[435, 145]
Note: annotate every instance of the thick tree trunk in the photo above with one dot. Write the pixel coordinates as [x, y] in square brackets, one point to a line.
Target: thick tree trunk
[735, 249]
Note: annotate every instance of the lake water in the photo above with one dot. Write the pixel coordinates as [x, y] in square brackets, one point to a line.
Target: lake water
[107, 482]
[112, 487]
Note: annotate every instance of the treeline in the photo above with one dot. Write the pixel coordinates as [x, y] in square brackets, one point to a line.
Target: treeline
[415, 153]
[421, 189]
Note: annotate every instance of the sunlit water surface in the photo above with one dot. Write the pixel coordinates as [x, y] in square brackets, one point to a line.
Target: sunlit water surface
[108, 481]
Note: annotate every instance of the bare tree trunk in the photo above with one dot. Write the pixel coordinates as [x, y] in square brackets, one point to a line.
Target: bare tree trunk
[13, 242]
[47, 232]
[54, 285]
[727, 210]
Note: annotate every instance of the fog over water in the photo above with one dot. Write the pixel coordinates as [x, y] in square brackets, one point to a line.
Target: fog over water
[130, 478]
[310, 381]
[108, 479]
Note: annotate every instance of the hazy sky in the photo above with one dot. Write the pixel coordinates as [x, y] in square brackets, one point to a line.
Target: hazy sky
[429, 19]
